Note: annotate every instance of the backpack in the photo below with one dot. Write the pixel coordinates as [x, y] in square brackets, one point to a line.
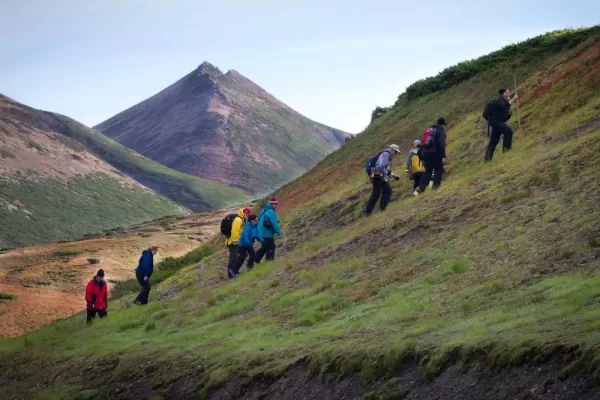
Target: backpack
[426, 149]
[416, 164]
[487, 111]
[226, 224]
[371, 163]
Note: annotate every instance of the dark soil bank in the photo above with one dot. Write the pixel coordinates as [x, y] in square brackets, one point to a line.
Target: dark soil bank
[477, 382]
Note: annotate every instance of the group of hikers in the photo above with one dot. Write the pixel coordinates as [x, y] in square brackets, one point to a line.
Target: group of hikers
[425, 162]
[241, 230]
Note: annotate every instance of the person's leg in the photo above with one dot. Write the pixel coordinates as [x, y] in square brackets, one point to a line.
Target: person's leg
[416, 179]
[494, 139]
[377, 186]
[241, 257]
[145, 293]
[251, 258]
[386, 193]
[270, 243]
[260, 253]
[508, 136]
[140, 280]
[102, 313]
[426, 178]
[231, 263]
[90, 316]
[438, 174]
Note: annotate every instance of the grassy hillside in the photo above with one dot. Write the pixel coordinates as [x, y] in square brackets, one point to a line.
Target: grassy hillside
[194, 193]
[50, 210]
[501, 265]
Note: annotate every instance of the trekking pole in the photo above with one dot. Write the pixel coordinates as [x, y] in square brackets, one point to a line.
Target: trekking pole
[518, 110]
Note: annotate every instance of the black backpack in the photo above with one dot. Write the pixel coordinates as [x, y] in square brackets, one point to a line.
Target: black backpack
[487, 111]
[226, 224]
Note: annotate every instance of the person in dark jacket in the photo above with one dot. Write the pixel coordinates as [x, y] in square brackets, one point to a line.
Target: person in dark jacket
[499, 114]
[433, 154]
[380, 176]
[268, 227]
[143, 272]
[246, 244]
[96, 297]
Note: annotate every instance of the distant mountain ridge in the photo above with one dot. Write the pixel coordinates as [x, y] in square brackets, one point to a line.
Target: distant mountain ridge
[224, 127]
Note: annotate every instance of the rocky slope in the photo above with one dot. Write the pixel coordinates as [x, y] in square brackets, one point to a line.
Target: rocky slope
[225, 128]
[60, 180]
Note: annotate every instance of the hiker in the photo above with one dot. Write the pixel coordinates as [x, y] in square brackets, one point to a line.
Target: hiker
[497, 113]
[231, 227]
[268, 227]
[246, 244]
[414, 166]
[143, 272]
[96, 296]
[433, 154]
[380, 175]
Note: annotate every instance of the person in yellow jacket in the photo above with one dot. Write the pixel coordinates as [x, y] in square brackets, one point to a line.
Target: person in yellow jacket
[237, 225]
[414, 166]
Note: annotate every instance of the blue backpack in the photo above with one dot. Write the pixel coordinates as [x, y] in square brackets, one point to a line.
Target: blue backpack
[371, 163]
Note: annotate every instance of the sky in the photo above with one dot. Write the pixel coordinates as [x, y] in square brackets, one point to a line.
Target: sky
[332, 61]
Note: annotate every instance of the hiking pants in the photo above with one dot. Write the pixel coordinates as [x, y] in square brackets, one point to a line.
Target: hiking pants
[433, 166]
[241, 257]
[232, 262]
[417, 178]
[267, 248]
[381, 188]
[92, 314]
[499, 129]
[145, 292]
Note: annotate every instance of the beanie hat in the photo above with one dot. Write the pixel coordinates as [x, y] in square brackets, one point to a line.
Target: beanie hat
[273, 201]
[441, 121]
[247, 210]
[502, 91]
[100, 273]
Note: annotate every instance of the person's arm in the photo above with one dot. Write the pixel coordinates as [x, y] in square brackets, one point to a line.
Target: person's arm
[105, 295]
[236, 230]
[88, 295]
[384, 162]
[442, 143]
[273, 220]
[408, 161]
[515, 98]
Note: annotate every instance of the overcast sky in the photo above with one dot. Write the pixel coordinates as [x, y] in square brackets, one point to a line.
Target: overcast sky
[333, 61]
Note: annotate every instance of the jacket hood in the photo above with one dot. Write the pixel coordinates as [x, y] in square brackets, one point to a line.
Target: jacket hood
[269, 206]
[242, 214]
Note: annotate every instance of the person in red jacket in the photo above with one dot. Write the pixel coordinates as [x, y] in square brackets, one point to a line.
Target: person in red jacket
[96, 296]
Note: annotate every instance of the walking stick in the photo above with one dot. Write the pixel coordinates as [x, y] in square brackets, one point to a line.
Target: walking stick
[518, 110]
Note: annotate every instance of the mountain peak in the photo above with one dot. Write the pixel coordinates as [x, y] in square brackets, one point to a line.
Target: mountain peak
[207, 68]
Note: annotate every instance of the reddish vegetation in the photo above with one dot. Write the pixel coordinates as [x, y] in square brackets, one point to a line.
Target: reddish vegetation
[563, 70]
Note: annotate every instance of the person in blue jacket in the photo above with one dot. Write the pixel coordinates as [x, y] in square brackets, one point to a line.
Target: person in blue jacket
[268, 227]
[143, 272]
[246, 244]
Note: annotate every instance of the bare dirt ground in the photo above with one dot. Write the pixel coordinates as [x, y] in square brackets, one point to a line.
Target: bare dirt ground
[49, 284]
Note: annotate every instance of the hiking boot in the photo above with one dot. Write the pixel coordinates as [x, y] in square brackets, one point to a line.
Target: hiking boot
[231, 274]
[416, 193]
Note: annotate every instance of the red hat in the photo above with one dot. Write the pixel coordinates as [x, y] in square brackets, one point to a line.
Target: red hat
[273, 201]
[247, 210]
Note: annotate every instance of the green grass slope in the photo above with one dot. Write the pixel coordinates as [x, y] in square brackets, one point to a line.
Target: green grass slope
[501, 263]
[54, 211]
[194, 193]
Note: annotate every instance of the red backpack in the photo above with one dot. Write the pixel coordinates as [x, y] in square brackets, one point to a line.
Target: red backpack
[426, 135]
